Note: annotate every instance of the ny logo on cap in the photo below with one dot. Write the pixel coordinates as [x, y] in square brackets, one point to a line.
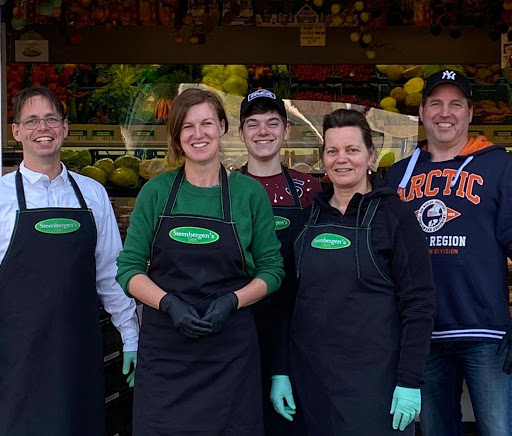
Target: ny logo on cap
[450, 75]
[261, 93]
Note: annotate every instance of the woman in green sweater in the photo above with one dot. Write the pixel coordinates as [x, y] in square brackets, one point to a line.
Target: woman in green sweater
[200, 249]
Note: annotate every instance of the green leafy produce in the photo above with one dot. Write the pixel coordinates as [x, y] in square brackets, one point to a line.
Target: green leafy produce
[119, 92]
[75, 160]
[124, 177]
[127, 161]
[95, 173]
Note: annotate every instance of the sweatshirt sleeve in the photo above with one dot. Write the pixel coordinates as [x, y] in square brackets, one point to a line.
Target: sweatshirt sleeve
[134, 257]
[412, 273]
[265, 246]
[504, 218]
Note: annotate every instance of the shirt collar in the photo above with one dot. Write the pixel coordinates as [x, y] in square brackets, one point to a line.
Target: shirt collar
[33, 177]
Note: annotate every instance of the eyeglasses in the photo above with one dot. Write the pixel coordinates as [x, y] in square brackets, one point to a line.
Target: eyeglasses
[33, 123]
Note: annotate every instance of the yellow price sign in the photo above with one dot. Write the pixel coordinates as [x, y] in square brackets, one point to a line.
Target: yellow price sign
[312, 36]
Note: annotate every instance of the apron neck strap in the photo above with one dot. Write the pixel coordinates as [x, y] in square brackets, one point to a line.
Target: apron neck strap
[22, 203]
[291, 186]
[243, 170]
[78, 193]
[313, 216]
[20, 192]
[370, 212]
[224, 192]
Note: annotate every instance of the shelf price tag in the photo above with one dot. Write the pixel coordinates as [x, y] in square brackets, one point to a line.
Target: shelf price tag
[502, 136]
[77, 135]
[312, 36]
[103, 135]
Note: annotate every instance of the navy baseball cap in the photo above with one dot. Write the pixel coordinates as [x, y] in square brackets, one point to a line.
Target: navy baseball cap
[450, 77]
[268, 97]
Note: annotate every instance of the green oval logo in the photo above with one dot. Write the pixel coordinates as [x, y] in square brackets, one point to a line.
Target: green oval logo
[330, 241]
[193, 235]
[281, 222]
[57, 226]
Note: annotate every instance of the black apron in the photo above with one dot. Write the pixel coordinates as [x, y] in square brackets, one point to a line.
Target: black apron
[51, 366]
[211, 385]
[345, 333]
[269, 312]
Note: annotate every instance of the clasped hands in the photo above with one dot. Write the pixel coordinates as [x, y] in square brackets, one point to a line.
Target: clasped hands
[188, 322]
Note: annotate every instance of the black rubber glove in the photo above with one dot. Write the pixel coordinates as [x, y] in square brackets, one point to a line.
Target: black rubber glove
[506, 344]
[219, 310]
[184, 317]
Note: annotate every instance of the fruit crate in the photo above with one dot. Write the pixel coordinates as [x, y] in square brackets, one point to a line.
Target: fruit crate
[354, 72]
[310, 72]
[492, 105]
[362, 95]
[384, 90]
[484, 75]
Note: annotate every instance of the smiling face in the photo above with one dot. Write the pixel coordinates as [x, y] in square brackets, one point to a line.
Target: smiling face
[42, 145]
[346, 158]
[264, 134]
[446, 115]
[200, 134]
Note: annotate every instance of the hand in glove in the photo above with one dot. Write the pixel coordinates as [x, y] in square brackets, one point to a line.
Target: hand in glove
[506, 344]
[405, 407]
[129, 357]
[184, 317]
[281, 396]
[219, 310]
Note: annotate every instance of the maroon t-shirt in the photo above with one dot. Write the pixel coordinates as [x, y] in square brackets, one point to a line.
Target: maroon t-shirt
[279, 194]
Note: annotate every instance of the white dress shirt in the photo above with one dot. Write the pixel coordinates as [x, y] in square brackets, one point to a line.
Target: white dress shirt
[40, 192]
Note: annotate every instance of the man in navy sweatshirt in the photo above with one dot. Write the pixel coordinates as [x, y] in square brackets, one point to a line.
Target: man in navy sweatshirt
[461, 191]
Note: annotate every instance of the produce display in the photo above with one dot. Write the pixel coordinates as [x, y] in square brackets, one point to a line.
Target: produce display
[125, 171]
[143, 94]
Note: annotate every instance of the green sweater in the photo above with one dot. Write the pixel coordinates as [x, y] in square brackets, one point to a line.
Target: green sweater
[250, 210]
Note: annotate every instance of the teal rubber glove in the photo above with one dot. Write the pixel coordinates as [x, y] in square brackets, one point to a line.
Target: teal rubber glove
[405, 407]
[129, 358]
[281, 396]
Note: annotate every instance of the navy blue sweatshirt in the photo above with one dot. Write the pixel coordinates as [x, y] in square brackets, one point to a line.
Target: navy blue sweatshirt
[464, 206]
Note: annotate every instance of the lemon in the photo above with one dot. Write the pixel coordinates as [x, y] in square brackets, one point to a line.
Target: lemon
[337, 20]
[364, 17]
[354, 36]
[370, 54]
[358, 6]
[335, 9]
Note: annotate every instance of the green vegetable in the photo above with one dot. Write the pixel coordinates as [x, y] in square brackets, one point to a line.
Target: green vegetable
[95, 173]
[119, 92]
[124, 177]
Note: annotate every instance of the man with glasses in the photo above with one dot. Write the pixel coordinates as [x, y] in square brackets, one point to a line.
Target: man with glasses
[58, 244]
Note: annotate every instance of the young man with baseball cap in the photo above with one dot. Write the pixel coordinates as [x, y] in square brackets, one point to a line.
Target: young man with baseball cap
[263, 129]
[461, 191]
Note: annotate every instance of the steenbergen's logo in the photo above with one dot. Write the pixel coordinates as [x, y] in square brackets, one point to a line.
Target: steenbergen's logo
[57, 226]
[330, 241]
[193, 235]
[281, 222]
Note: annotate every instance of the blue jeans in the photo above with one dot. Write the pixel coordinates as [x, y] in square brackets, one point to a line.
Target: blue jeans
[490, 389]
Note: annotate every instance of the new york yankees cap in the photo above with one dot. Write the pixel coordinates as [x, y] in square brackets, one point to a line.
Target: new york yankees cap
[451, 77]
[268, 96]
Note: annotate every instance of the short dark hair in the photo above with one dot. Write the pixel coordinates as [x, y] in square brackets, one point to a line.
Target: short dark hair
[261, 106]
[21, 97]
[348, 118]
[179, 108]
